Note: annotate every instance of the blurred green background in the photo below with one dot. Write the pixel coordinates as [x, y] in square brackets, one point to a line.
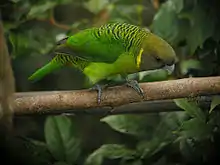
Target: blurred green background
[32, 28]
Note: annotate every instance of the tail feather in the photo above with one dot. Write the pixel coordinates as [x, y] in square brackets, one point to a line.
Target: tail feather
[48, 68]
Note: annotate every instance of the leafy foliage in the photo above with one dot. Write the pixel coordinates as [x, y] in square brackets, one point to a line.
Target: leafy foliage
[130, 124]
[62, 144]
[191, 108]
[215, 103]
[182, 23]
[110, 151]
[61, 139]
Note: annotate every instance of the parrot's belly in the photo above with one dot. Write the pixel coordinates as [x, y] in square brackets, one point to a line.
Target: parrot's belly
[97, 71]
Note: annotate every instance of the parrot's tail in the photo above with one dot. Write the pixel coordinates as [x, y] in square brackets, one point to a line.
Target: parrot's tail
[48, 68]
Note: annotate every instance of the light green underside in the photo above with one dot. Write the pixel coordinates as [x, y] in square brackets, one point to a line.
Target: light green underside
[97, 71]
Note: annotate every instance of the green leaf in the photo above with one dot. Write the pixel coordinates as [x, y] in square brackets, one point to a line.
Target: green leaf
[110, 151]
[149, 148]
[162, 135]
[127, 13]
[138, 125]
[195, 128]
[175, 24]
[191, 108]
[189, 64]
[202, 27]
[28, 42]
[168, 125]
[41, 9]
[61, 139]
[178, 5]
[167, 24]
[215, 102]
[96, 6]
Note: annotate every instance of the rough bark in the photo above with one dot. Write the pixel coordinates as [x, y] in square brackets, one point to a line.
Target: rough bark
[85, 100]
[7, 85]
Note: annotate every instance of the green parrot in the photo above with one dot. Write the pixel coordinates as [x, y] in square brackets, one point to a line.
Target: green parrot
[108, 50]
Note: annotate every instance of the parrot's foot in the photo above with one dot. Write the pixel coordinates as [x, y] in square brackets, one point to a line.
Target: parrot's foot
[98, 88]
[134, 85]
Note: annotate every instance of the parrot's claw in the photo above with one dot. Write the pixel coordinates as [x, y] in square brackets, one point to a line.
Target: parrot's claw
[134, 85]
[98, 88]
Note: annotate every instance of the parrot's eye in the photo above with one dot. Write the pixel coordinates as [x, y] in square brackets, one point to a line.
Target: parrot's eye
[158, 59]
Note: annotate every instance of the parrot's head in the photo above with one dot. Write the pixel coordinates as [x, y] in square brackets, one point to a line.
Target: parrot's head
[157, 54]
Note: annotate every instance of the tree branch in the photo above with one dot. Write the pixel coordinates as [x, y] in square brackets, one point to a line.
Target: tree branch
[7, 83]
[85, 100]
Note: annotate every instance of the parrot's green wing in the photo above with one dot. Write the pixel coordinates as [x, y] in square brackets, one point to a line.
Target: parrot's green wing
[106, 43]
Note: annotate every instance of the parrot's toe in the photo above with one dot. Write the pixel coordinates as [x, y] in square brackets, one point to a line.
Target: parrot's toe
[98, 88]
[134, 85]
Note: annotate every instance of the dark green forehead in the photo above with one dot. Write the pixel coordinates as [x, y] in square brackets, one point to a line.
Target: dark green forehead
[161, 49]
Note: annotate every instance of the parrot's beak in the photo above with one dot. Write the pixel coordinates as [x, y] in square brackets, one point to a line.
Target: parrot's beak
[169, 69]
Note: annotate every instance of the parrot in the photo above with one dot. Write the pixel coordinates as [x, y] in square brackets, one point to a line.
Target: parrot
[108, 50]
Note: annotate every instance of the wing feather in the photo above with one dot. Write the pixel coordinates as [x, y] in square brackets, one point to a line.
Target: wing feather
[106, 43]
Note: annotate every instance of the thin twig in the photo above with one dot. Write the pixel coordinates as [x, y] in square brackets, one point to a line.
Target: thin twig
[156, 4]
[85, 100]
[55, 23]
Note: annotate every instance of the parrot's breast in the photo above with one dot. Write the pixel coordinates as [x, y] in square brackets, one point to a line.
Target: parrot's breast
[97, 71]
